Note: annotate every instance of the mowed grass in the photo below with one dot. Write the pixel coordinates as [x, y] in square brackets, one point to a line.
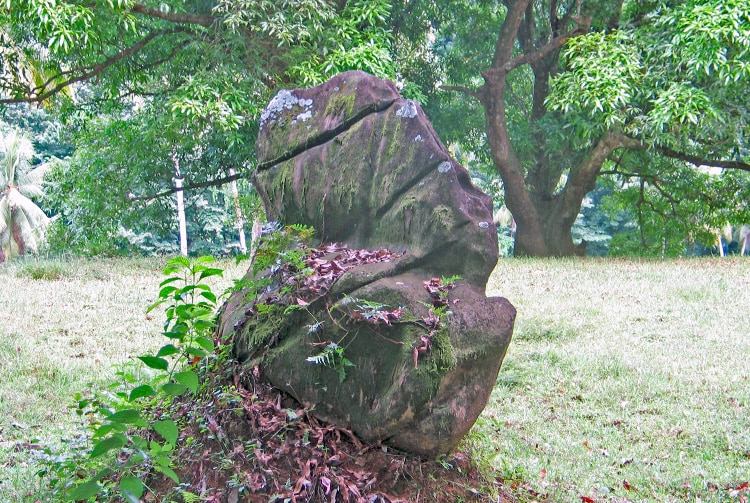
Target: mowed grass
[67, 326]
[624, 381]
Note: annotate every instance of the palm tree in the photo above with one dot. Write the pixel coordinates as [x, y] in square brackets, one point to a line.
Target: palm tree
[22, 223]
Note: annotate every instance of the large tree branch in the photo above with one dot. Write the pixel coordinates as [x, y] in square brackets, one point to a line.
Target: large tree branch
[475, 94]
[526, 30]
[42, 93]
[554, 21]
[552, 45]
[461, 89]
[525, 33]
[197, 185]
[627, 142]
[658, 183]
[700, 161]
[507, 38]
[582, 178]
[586, 172]
[174, 17]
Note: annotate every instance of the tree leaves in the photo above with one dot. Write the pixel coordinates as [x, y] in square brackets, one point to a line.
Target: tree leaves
[125, 416]
[116, 441]
[155, 362]
[131, 489]
[168, 430]
[189, 379]
[141, 391]
[124, 53]
[87, 490]
[602, 79]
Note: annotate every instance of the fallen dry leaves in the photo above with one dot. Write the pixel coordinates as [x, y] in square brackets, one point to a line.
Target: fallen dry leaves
[261, 445]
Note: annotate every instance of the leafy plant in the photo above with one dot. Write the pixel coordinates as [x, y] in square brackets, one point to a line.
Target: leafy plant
[127, 438]
[190, 313]
[277, 247]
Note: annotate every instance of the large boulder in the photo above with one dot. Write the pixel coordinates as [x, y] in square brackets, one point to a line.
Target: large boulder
[365, 168]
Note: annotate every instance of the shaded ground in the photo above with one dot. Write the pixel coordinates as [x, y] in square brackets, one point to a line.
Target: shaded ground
[246, 442]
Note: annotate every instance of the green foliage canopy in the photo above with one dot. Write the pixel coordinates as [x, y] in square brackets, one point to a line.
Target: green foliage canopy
[151, 81]
[551, 95]
[563, 93]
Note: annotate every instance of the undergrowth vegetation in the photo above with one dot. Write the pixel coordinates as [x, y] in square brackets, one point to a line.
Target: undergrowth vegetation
[131, 432]
[71, 335]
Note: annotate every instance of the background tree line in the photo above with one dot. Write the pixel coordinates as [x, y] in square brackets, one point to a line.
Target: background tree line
[583, 117]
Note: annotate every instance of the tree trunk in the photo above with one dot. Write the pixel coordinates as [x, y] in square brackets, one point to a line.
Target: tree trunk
[545, 219]
[180, 205]
[544, 215]
[238, 212]
[17, 233]
[529, 234]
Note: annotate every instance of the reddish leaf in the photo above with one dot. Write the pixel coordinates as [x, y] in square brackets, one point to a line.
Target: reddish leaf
[326, 483]
[587, 499]
[257, 482]
[735, 492]
[354, 491]
[262, 457]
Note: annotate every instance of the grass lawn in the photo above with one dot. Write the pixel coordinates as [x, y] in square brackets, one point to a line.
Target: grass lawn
[65, 327]
[625, 380]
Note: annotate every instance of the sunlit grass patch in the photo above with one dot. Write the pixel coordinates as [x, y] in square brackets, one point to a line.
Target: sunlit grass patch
[66, 326]
[637, 388]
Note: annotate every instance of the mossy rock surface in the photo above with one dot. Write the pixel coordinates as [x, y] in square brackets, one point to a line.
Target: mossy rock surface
[365, 168]
[374, 174]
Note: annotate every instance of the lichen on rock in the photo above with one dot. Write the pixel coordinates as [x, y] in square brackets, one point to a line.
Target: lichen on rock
[408, 110]
[283, 102]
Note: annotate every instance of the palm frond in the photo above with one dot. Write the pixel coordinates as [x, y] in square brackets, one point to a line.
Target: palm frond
[31, 183]
[22, 222]
[29, 221]
[16, 161]
[4, 220]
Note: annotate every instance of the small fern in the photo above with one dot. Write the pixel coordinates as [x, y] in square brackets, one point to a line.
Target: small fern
[333, 357]
[450, 279]
[315, 327]
[189, 497]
